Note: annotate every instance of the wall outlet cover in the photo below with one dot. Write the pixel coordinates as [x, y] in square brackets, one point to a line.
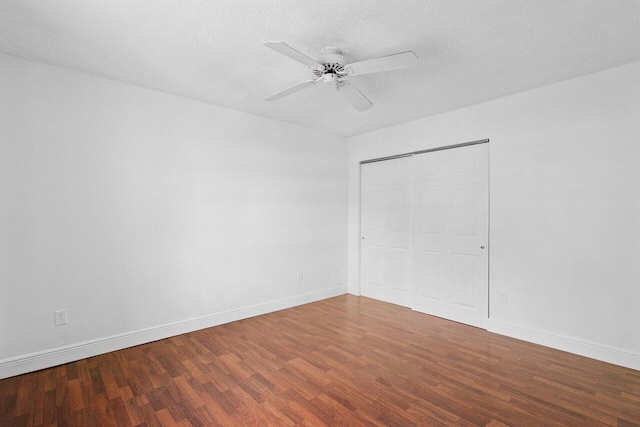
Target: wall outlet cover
[504, 297]
[60, 317]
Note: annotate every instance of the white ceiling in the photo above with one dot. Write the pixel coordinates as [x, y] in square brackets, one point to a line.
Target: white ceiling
[211, 50]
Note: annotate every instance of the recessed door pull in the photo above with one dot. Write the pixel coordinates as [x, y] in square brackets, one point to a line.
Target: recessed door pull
[481, 247]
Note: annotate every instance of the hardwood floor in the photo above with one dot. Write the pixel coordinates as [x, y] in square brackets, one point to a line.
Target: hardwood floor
[345, 361]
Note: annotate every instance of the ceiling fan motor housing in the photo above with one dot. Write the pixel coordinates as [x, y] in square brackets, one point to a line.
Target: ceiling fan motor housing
[332, 65]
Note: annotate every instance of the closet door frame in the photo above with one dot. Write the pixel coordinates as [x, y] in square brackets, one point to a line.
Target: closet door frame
[360, 216]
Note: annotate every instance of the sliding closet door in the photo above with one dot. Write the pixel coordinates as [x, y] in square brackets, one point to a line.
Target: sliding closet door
[450, 234]
[386, 230]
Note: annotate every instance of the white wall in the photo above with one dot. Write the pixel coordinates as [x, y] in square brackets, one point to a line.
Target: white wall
[564, 208]
[145, 215]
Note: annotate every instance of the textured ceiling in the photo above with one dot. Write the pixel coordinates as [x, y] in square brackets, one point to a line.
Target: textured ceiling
[211, 50]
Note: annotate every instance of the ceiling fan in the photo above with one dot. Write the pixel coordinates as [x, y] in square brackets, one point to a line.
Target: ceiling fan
[332, 68]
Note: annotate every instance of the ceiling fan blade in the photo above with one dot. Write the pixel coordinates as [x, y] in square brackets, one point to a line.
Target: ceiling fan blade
[354, 96]
[386, 63]
[287, 50]
[290, 90]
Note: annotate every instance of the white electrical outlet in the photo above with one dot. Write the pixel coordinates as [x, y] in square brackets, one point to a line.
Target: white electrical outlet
[504, 297]
[60, 317]
[299, 277]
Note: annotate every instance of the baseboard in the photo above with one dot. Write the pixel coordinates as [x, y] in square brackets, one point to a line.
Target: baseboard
[604, 353]
[58, 356]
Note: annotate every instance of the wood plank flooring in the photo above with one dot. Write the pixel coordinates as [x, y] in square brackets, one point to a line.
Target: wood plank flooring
[345, 361]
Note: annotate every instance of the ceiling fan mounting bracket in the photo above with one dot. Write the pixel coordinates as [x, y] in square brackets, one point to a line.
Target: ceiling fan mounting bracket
[332, 55]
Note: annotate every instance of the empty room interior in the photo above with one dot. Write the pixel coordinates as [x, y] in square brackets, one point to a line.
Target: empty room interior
[341, 213]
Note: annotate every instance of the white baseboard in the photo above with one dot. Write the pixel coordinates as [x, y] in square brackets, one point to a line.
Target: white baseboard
[58, 356]
[604, 353]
